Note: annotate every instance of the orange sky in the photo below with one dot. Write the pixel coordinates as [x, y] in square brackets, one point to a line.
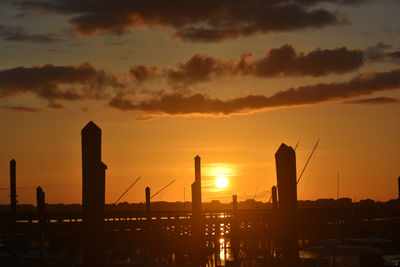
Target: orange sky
[164, 90]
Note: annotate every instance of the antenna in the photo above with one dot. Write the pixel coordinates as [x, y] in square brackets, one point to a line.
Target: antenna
[159, 191]
[308, 160]
[298, 142]
[269, 201]
[255, 192]
[126, 191]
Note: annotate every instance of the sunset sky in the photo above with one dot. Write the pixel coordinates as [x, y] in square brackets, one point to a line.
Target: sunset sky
[229, 80]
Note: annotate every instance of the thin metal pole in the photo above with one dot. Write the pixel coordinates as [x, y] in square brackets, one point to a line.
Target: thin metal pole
[308, 160]
[126, 191]
[159, 191]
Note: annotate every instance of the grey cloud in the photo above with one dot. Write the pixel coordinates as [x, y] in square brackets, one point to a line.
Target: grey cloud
[58, 83]
[19, 34]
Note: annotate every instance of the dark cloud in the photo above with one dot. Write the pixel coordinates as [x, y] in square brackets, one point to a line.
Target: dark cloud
[269, 18]
[142, 73]
[180, 104]
[120, 102]
[379, 52]
[21, 109]
[394, 55]
[373, 101]
[340, 2]
[283, 61]
[19, 34]
[195, 20]
[199, 68]
[57, 83]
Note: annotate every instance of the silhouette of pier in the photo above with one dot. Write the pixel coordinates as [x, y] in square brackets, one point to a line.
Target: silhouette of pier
[99, 235]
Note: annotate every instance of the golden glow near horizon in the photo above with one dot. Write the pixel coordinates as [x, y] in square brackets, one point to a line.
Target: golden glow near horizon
[221, 182]
[220, 175]
[220, 170]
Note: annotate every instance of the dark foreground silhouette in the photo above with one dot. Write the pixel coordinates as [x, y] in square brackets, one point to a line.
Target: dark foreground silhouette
[282, 233]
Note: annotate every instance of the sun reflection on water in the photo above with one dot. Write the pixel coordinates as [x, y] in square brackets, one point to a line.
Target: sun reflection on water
[225, 253]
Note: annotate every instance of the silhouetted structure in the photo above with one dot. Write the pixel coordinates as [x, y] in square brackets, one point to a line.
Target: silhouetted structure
[234, 203]
[197, 224]
[271, 233]
[285, 159]
[274, 199]
[40, 205]
[147, 191]
[235, 231]
[398, 183]
[93, 195]
[40, 200]
[13, 205]
[13, 186]
[169, 234]
[196, 186]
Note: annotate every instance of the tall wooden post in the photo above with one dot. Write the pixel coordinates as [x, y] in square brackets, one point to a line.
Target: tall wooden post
[274, 199]
[40, 201]
[40, 205]
[93, 196]
[13, 217]
[147, 192]
[197, 220]
[285, 159]
[398, 184]
[235, 241]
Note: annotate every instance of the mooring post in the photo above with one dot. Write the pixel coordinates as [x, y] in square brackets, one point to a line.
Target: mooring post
[93, 196]
[13, 217]
[197, 220]
[235, 231]
[285, 159]
[149, 234]
[147, 192]
[40, 205]
[398, 184]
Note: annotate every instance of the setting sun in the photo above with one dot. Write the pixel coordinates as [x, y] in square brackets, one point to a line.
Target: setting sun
[215, 133]
[221, 182]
